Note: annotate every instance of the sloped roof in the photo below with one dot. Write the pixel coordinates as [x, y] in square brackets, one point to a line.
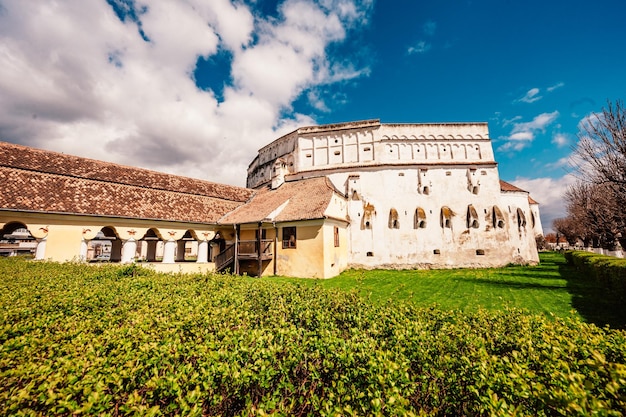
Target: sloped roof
[505, 186]
[296, 200]
[42, 181]
[38, 160]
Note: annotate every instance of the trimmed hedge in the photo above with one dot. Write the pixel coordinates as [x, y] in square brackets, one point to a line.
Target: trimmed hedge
[78, 340]
[608, 271]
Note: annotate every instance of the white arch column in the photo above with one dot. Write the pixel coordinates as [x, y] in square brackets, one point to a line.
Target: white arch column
[84, 246]
[40, 251]
[169, 252]
[203, 252]
[129, 248]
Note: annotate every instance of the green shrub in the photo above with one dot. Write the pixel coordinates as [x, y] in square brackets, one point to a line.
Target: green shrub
[608, 271]
[80, 340]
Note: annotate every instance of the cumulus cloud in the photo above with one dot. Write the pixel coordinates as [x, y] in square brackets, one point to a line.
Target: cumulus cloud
[523, 133]
[116, 83]
[548, 192]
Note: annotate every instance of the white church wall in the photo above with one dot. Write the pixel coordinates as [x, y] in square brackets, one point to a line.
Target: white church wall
[392, 174]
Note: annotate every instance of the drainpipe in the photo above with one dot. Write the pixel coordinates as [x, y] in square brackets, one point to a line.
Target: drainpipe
[275, 248]
[259, 250]
[236, 227]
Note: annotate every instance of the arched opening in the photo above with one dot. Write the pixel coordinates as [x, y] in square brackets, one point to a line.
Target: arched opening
[16, 240]
[366, 220]
[521, 218]
[472, 217]
[394, 222]
[498, 218]
[187, 248]
[105, 247]
[446, 217]
[150, 246]
[419, 218]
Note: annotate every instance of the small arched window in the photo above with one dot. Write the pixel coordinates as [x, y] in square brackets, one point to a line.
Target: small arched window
[366, 220]
[420, 218]
[472, 217]
[521, 218]
[446, 217]
[394, 222]
[498, 218]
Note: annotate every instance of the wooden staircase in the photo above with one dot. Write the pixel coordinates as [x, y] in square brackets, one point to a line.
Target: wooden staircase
[244, 250]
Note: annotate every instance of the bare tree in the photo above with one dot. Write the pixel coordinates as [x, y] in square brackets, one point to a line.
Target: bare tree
[599, 198]
[594, 216]
[601, 147]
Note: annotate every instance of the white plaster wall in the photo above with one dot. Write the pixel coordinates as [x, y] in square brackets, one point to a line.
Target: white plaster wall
[381, 167]
[407, 246]
[521, 237]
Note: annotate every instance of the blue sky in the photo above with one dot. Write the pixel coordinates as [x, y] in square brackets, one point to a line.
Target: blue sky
[195, 87]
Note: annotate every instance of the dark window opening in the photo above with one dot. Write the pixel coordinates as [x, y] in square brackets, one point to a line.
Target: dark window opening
[336, 235]
[521, 218]
[420, 218]
[472, 217]
[394, 223]
[480, 251]
[437, 252]
[446, 217]
[370, 254]
[289, 237]
[498, 218]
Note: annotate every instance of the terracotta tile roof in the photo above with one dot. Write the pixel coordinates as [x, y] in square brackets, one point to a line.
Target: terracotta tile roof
[531, 200]
[39, 160]
[295, 200]
[505, 186]
[41, 181]
[35, 191]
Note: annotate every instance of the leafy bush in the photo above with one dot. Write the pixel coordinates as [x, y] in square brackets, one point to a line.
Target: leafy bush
[80, 340]
[608, 271]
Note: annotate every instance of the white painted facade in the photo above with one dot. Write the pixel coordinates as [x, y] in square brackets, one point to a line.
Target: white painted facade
[418, 195]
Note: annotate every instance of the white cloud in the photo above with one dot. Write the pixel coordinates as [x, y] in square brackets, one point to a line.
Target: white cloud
[561, 139]
[523, 133]
[420, 47]
[548, 192]
[562, 163]
[77, 79]
[555, 86]
[531, 96]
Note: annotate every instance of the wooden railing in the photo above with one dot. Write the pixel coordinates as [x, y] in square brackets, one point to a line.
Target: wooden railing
[250, 248]
[247, 250]
[225, 257]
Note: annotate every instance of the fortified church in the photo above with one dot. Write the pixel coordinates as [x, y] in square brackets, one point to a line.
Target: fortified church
[319, 200]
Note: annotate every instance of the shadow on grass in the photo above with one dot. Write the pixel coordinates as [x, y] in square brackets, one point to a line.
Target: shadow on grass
[514, 284]
[596, 304]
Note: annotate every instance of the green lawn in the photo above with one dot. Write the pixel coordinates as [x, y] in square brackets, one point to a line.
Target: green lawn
[551, 288]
